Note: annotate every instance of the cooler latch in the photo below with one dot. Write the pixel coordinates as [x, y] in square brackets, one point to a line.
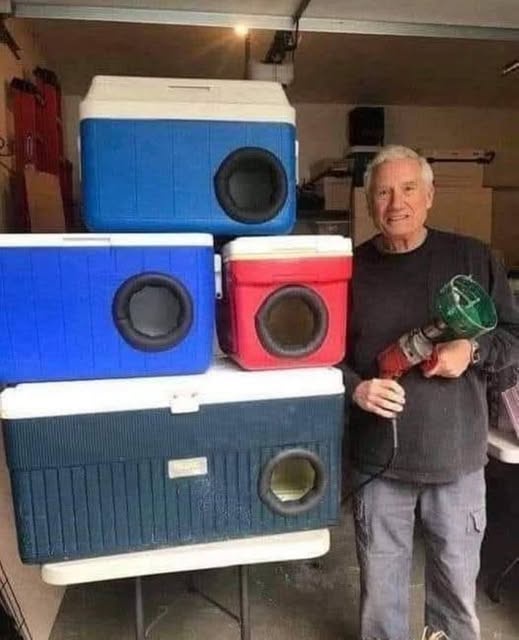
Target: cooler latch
[185, 402]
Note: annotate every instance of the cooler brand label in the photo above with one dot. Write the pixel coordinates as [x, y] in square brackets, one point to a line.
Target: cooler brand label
[187, 467]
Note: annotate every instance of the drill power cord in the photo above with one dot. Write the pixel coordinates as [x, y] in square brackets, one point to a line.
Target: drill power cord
[355, 490]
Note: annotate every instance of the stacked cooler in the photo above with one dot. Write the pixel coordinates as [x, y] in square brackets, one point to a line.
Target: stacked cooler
[120, 433]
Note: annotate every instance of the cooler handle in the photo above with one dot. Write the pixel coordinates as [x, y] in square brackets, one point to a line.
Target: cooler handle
[218, 276]
[89, 239]
[185, 402]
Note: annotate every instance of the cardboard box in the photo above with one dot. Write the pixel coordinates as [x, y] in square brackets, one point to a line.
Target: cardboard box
[464, 211]
[457, 154]
[503, 171]
[363, 226]
[336, 192]
[44, 201]
[324, 226]
[359, 203]
[457, 174]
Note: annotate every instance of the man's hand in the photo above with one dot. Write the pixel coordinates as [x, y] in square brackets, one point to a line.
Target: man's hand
[453, 358]
[383, 397]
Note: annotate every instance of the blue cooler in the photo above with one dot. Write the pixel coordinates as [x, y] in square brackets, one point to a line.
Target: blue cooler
[163, 154]
[112, 466]
[84, 306]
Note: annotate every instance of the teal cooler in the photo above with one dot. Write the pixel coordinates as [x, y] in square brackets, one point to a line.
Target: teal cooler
[112, 466]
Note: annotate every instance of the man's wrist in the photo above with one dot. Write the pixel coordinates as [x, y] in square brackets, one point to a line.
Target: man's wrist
[475, 352]
[354, 397]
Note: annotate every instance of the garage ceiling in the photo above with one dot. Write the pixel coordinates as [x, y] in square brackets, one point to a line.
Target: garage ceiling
[328, 67]
[438, 53]
[320, 15]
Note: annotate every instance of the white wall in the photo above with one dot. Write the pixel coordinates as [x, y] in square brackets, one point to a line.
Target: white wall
[322, 129]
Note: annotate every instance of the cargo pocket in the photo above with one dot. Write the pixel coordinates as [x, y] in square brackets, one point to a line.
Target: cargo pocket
[477, 521]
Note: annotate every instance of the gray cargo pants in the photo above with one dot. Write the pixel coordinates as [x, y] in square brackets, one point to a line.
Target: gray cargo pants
[453, 519]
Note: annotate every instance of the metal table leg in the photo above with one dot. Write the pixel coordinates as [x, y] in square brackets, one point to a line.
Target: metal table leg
[244, 618]
[244, 602]
[139, 611]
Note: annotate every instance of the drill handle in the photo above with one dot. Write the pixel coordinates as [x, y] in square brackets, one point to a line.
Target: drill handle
[392, 362]
[430, 363]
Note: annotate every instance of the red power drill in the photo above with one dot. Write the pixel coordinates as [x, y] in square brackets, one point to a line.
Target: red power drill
[464, 310]
[414, 347]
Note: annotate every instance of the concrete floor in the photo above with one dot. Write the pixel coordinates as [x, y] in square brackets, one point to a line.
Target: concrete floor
[306, 600]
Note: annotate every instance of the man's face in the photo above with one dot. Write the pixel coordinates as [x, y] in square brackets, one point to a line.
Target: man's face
[399, 199]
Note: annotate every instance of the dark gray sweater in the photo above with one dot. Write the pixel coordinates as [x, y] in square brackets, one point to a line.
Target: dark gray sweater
[443, 428]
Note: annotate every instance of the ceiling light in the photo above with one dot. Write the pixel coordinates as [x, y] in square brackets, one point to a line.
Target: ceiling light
[241, 30]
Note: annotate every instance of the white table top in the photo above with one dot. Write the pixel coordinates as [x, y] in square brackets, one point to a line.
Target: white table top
[284, 546]
[503, 445]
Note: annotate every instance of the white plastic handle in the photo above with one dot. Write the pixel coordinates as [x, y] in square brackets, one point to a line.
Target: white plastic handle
[198, 87]
[90, 239]
[218, 275]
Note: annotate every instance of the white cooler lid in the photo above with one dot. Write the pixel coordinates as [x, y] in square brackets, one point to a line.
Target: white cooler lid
[125, 97]
[224, 382]
[75, 240]
[288, 247]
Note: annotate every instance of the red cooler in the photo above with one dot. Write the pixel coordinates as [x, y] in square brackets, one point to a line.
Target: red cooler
[284, 301]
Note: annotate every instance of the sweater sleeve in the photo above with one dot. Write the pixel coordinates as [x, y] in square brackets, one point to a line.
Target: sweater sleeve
[351, 380]
[500, 348]
[350, 377]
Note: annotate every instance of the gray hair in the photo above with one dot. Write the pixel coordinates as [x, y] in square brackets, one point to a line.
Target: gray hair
[398, 152]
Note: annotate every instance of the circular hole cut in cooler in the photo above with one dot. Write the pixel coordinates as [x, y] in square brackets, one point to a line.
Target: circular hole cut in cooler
[152, 311]
[293, 482]
[251, 185]
[292, 322]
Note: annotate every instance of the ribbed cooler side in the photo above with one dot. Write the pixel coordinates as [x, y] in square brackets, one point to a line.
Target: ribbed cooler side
[95, 485]
[56, 312]
[249, 285]
[158, 175]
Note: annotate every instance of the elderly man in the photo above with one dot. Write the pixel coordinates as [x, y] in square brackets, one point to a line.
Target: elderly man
[437, 472]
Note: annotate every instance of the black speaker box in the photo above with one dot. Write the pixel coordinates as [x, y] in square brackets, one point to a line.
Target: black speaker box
[366, 126]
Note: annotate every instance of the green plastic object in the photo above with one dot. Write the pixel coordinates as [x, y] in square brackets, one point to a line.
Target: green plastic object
[466, 308]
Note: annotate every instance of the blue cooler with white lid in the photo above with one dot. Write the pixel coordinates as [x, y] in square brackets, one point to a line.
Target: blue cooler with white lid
[111, 466]
[86, 306]
[168, 154]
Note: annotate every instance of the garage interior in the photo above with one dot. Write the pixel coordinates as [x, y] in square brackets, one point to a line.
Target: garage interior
[447, 78]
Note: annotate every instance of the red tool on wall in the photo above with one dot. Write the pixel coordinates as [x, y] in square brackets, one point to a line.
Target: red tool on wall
[48, 120]
[38, 144]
